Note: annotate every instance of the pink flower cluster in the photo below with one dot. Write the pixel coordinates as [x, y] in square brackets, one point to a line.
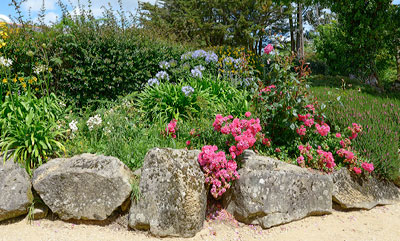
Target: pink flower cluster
[267, 89]
[355, 129]
[369, 167]
[323, 129]
[304, 151]
[301, 130]
[268, 49]
[243, 131]
[326, 158]
[217, 170]
[171, 128]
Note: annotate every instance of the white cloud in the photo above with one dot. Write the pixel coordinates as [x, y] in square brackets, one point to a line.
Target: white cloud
[50, 17]
[97, 6]
[36, 5]
[4, 18]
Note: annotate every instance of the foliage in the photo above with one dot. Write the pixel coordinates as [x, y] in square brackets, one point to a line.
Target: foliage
[90, 59]
[168, 101]
[30, 129]
[280, 99]
[213, 23]
[358, 37]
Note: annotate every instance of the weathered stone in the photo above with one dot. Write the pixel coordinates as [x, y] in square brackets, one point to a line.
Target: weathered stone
[87, 187]
[270, 192]
[173, 198]
[15, 190]
[351, 191]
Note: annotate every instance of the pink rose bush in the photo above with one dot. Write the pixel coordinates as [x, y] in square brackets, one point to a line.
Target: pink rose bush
[219, 168]
[336, 148]
[218, 171]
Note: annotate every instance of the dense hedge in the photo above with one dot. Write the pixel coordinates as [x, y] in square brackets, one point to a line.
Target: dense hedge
[90, 61]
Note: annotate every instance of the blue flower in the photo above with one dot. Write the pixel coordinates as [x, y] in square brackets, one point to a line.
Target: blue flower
[197, 73]
[164, 65]
[153, 81]
[187, 90]
[162, 75]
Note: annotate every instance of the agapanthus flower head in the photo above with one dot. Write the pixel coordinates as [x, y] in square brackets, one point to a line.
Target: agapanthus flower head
[153, 81]
[187, 90]
[164, 65]
[162, 75]
[196, 73]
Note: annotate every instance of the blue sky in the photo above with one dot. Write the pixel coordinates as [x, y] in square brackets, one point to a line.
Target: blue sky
[53, 11]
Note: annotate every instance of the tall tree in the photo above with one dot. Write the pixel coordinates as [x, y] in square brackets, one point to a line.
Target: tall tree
[363, 23]
[214, 22]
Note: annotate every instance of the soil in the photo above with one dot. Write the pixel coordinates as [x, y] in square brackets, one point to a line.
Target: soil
[380, 223]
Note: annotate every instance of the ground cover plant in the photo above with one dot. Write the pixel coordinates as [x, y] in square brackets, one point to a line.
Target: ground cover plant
[379, 116]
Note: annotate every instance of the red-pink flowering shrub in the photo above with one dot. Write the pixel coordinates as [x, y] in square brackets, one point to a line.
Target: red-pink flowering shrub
[336, 148]
[219, 169]
[171, 128]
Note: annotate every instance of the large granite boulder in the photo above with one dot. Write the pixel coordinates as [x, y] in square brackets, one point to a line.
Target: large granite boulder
[173, 197]
[15, 190]
[352, 191]
[270, 192]
[87, 187]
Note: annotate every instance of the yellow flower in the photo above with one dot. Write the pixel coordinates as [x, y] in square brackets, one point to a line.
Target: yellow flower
[50, 69]
[21, 79]
[37, 89]
[24, 85]
[5, 81]
[34, 78]
[30, 81]
[15, 80]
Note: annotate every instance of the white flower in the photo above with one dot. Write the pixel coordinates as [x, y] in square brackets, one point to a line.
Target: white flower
[94, 121]
[72, 126]
[39, 69]
[5, 62]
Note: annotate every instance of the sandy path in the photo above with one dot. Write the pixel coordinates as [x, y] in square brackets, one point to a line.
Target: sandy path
[380, 223]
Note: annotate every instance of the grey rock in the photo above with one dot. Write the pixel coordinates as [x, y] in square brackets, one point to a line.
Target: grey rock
[15, 190]
[270, 192]
[352, 191]
[173, 197]
[87, 187]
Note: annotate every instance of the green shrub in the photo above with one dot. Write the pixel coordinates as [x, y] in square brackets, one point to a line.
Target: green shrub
[210, 96]
[90, 59]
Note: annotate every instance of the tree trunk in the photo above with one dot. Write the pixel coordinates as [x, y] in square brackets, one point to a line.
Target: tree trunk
[292, 41]
[300, 40]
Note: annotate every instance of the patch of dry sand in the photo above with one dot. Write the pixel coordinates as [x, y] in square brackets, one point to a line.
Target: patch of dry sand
[381, 223]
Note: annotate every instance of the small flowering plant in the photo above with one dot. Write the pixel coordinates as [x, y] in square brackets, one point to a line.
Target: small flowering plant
[220, 168]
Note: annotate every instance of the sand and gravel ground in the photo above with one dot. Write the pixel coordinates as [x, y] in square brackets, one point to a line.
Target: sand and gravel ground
[381, 223]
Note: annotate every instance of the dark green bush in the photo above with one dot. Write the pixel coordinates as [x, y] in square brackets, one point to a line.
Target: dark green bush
[90, 60]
